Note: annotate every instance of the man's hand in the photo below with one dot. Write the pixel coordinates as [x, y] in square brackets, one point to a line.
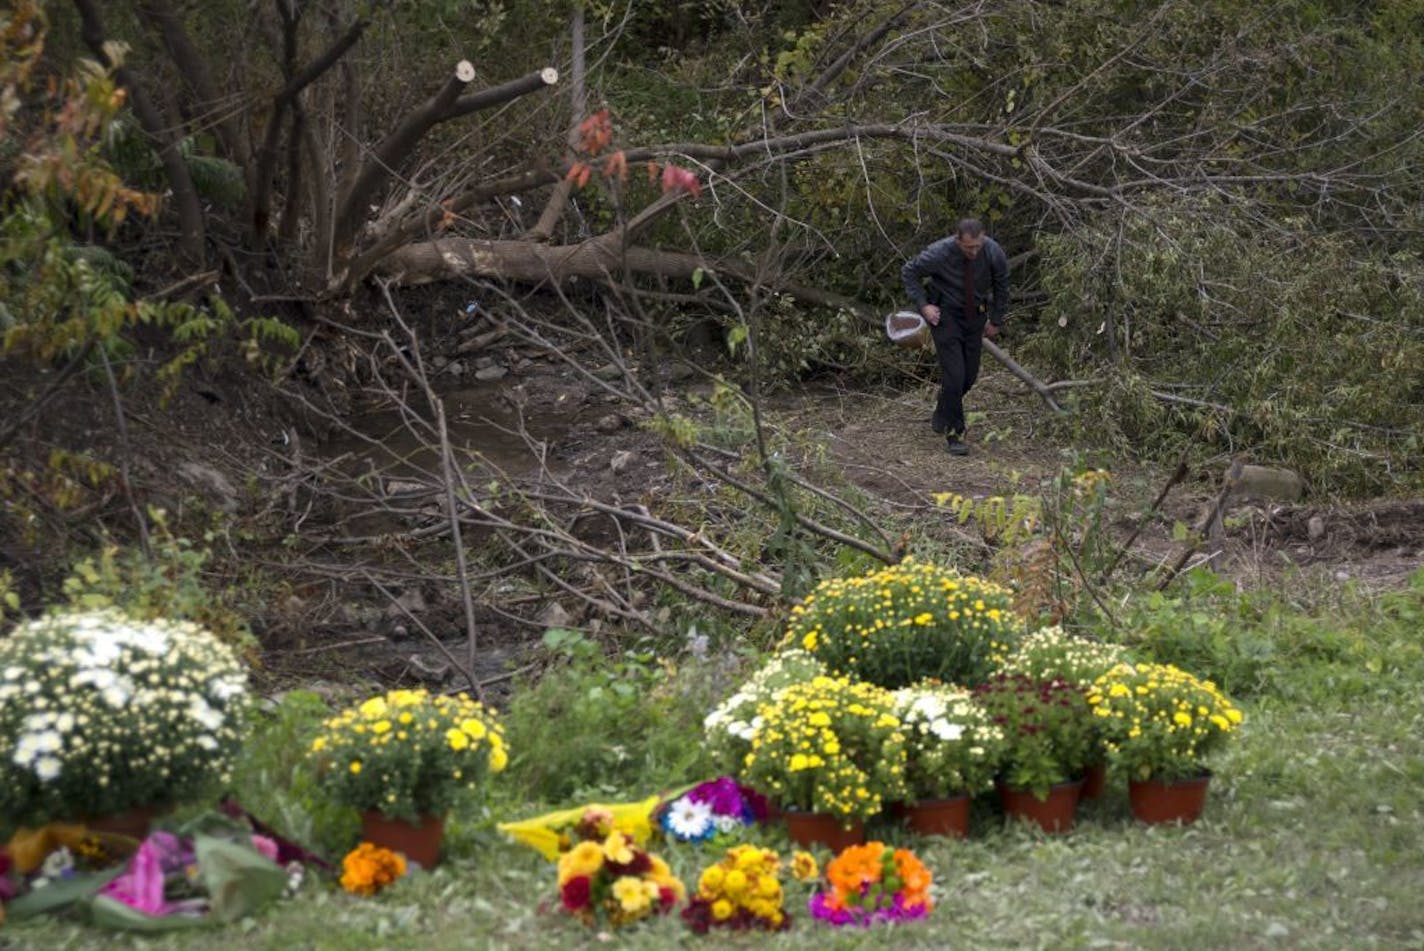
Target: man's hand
[991, 331]
[931, 314]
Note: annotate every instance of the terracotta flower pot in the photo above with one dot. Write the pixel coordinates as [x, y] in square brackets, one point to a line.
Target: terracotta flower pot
[822, 828]
[1156, 801]
[1053, 815]
[1095, 781]
[417, 842]
[939, 817]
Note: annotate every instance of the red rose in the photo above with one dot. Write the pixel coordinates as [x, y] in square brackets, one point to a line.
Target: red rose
[575, 893]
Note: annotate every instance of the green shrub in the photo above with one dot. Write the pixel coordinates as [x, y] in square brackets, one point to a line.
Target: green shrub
[168, 583]
[597, 725]
[1246, 642]
[1293, 342]
[272, 780]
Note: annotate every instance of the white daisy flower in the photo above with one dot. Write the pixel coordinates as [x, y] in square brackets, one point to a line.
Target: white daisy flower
[945, 730]
[689, 820]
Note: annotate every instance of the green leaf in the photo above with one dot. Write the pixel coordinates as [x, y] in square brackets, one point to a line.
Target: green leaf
[60, 894]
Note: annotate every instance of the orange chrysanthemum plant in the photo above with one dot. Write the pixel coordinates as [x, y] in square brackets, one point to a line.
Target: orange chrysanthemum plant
[369, 868]
[873, 882]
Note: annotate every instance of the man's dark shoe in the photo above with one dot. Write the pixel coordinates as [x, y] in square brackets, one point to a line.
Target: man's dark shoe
[938, 424]
[957, 447]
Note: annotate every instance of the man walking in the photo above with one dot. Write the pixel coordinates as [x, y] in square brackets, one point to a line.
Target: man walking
[949, 282]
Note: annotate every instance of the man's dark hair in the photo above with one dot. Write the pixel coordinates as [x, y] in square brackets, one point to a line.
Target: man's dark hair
[969, 227]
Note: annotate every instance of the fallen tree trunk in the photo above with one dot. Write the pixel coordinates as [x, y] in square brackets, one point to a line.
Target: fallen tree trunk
[529, 261]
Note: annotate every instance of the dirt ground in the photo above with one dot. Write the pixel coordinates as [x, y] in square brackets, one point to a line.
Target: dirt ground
[220, 451]
[883, 443]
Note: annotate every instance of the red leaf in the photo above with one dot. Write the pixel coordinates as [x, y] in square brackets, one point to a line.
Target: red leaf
[680, 179]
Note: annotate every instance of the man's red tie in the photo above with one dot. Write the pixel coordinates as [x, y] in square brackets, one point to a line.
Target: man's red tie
[970, 311]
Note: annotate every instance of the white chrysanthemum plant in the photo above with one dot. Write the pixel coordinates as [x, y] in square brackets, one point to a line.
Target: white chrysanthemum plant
[101, 713]
[1050, 653]
[730, 727]
[952, 745]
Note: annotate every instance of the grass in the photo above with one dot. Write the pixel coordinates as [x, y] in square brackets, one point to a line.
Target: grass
[1311, 839]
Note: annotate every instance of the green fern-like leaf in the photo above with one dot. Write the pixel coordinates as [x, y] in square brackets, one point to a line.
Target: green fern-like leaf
[217, 180]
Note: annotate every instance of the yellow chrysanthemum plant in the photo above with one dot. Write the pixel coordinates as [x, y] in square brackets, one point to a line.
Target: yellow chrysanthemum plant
[907, 622]
[408, 754]
[1160, 722]
[729, 728]
[830, 745]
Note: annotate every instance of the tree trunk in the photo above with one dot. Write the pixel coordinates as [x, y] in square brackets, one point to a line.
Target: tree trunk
[265, 165]
[391, 153]
[578, 108]
[192, 238]
[528, 262]
[193, 67]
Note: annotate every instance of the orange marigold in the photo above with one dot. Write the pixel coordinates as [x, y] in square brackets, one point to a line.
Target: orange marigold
[856, 866]
[915, 876]
[369, 868]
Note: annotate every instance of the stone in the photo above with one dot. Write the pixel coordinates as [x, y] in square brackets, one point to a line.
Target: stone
[1269, 482]
[554, 615]
[609, 371]
[610, 423]
[483, 362]
[402, 487]
[620, 461]
[490, 374]
[455, 368]
[212, 483]
[409, 602]
[429, 667]
[1315, 528]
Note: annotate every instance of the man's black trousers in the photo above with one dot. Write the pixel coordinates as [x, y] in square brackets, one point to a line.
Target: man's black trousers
[959, 345]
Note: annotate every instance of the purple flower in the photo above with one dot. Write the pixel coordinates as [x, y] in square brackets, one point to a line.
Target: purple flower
[722, 795]
[839, 917]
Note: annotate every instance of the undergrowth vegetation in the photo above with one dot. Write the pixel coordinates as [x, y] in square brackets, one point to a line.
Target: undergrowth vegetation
[1211, 328]
[1343, 764]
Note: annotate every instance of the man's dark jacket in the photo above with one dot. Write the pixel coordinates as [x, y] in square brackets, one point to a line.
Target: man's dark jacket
[942, 263]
